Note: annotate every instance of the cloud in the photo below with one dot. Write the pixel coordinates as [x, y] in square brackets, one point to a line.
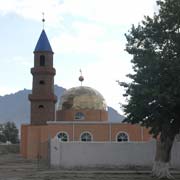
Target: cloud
[88, 30]
[84, 27]
[33, 9]
[111, 62]
[67, 43]
[82, 38]
[110, 11]
[8, 90]
[21, 61]
[15, 73]
[118, 12]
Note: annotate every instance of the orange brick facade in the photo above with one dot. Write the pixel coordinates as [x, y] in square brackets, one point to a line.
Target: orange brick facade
[34, 142]
[90, 115]
[45, 125]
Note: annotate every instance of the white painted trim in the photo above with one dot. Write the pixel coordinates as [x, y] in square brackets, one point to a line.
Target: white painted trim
[82, 122]
[110, 132]
[73, 131]
[142, 133]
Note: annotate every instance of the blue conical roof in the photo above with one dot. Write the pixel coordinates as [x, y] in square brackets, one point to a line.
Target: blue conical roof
[43, 43]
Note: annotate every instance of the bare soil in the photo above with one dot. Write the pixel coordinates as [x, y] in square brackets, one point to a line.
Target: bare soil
[14, 167]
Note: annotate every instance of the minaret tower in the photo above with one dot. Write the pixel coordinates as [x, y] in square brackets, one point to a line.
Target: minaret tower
[42, 98]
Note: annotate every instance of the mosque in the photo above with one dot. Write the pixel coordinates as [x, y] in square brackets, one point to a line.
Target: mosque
[81, 114]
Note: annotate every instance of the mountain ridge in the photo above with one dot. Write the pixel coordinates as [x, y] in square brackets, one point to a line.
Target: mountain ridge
[15, 107]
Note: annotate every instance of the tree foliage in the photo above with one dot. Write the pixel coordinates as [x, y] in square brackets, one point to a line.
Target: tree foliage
[154, 93]
[9, 132]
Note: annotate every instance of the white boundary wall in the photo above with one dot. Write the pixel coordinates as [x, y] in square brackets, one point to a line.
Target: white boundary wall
[106, 154]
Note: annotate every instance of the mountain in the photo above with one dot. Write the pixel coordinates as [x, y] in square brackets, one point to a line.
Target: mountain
[16, 107]
[114, 116]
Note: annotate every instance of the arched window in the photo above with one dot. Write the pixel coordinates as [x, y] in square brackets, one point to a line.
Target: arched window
[42, 60]
[63, 136]
[41, 82]
[79, 116]
[41, 106]
[86, 137]
[122, 137]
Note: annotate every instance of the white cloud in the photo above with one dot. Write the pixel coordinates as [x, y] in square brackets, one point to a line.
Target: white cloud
[106, 11]
[88, 30]
[103, 74]
[7, 90]
[33, 9]
[81, 39]
[87, 26]
[112, 62]
[21, 61]
[67, 43]
[110, 11]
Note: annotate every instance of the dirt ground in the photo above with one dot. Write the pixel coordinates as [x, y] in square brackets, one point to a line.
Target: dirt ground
[14, 167]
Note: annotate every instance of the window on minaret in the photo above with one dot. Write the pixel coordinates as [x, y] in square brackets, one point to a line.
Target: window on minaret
[41, 106]
[41, 82]
[42, 60]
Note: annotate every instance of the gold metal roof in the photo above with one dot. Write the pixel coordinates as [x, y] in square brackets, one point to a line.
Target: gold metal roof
[82, 97]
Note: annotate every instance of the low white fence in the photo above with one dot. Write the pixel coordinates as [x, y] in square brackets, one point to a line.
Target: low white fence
[107, 154]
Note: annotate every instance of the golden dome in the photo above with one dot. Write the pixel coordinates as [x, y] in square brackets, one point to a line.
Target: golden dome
[82, 97]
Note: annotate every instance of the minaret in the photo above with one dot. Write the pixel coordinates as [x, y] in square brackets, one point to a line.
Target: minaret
[42, 98]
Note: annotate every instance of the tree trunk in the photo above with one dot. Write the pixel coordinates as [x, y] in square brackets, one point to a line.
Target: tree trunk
[162, 158]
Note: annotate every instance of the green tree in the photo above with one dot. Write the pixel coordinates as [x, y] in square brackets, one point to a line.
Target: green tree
[2, 137]
[153, 95]
[10, 132]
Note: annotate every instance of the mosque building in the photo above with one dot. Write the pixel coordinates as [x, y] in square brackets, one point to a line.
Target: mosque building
[80, 116]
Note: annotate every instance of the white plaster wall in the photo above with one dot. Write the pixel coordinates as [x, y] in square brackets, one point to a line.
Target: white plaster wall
[175, 155]
[106, 154]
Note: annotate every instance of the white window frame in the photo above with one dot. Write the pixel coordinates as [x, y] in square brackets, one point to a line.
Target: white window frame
[64, 133]
[122, 132]
[88, 133]
[79, 118]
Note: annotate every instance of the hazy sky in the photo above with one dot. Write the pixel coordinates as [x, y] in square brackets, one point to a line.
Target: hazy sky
[84, 34]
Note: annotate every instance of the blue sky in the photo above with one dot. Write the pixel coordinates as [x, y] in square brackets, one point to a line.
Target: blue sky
[84, 34]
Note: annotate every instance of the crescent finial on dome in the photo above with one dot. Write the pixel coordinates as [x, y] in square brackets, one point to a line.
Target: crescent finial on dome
[81, 78]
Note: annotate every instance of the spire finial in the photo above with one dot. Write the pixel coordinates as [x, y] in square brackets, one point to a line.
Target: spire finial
[81, 78]
[43, 20]
[80, 71]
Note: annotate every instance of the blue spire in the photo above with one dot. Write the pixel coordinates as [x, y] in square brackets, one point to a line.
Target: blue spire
[43, 43]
